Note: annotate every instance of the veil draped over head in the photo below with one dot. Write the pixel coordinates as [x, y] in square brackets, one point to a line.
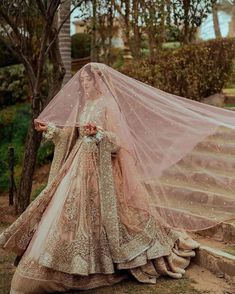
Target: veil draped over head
[161, 138]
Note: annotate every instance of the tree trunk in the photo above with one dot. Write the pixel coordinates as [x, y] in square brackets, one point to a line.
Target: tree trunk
[110, 33]
[33, 140]
[137, 36]
[186, 7]
[94, 55]
[65, 39]
[216, 21]
[232, 26]
[127, 50]
[162, 23]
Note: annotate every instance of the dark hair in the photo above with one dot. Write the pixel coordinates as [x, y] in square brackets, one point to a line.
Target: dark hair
[88, 69]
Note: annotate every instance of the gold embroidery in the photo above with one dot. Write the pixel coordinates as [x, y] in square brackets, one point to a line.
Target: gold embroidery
[89, 236]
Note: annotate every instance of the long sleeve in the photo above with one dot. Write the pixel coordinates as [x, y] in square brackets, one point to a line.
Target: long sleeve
[52, 133]
[60, 137]
[113, 140]
[110, 133]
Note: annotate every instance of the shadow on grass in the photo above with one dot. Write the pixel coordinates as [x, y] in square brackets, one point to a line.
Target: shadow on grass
[164, 285]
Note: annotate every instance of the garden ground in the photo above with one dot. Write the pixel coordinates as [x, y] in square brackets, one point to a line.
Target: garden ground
[197, 280]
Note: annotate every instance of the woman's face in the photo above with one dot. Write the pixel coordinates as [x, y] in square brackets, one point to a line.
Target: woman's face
[87, 82]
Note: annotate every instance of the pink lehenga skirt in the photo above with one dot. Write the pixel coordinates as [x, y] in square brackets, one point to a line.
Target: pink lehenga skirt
[74, 235]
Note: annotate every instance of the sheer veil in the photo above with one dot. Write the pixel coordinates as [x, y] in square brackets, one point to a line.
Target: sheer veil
[157, 133]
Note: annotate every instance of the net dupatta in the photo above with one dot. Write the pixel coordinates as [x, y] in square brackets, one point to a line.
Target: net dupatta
[172, 152]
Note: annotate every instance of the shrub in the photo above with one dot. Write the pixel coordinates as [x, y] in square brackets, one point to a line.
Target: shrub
[231, 82]
[80, 45]
[6, 56]
[13, 85]
[194, 71]
[14, 122]
[13, 129]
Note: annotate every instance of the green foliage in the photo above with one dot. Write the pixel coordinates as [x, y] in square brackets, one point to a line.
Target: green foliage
[194, 71]
[45, 153]
[81, 45]
[231, 82]
[173, 33]
[189, 15]
[38, 191]
[13, 85]
[13, 130]
[14, 122]
[6, 56]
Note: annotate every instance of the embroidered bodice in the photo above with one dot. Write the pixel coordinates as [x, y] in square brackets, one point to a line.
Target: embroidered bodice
[94, 112]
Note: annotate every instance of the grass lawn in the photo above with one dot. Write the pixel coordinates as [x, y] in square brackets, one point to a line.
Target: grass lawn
[230, 91]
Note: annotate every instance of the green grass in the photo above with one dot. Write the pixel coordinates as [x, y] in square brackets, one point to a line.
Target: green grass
[229, 105]
[14, 122]
[229, 91]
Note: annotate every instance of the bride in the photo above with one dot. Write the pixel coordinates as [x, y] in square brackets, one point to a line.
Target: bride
[104, 214]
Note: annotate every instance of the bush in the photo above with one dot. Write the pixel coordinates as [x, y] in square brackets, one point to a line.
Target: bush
[80, 45]
[14, 122]
[194, 71]
[13, 85]
[6, 56]
[231, 81]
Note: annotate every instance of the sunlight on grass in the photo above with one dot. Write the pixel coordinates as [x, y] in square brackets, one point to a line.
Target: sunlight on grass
[229, 91]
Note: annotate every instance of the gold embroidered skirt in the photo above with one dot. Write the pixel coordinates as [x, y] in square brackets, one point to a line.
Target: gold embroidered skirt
[78, 234]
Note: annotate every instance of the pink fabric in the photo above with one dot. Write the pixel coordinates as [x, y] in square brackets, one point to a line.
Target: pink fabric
[155, 132]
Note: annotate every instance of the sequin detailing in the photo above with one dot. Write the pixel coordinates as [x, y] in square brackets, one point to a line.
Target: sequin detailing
[90, 237]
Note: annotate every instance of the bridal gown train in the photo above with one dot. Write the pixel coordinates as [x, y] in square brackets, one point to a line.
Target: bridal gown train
[74, 234]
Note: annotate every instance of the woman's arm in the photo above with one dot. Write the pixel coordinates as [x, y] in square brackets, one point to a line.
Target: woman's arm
[50, 131]
[98, 133]
[113, 141]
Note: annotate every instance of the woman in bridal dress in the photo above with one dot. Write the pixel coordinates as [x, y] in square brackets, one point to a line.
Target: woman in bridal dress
[103, 215]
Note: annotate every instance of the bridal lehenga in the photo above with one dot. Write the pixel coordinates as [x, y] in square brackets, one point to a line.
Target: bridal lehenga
[104, 215]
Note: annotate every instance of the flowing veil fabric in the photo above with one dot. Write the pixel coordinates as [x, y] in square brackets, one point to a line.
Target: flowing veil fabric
[155, 131]
[111, 206]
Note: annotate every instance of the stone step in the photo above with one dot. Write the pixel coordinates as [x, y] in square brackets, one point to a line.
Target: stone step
[203, 179]
[217, 258]
[184, 193]
[223, 134]
[224, 163]
[216, 147]
[220, 137]
[194, 167]
[229, 98]
[223, 232]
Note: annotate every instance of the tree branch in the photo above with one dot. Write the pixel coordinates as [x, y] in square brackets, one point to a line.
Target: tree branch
[42, 8]
[60, 27]
[11, 24]
[20, 54]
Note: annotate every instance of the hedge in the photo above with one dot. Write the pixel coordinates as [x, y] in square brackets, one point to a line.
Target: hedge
[194, 71]
[13, 85]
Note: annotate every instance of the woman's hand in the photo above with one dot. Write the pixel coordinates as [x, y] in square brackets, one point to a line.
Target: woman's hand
[90, 129]
[40, 127]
